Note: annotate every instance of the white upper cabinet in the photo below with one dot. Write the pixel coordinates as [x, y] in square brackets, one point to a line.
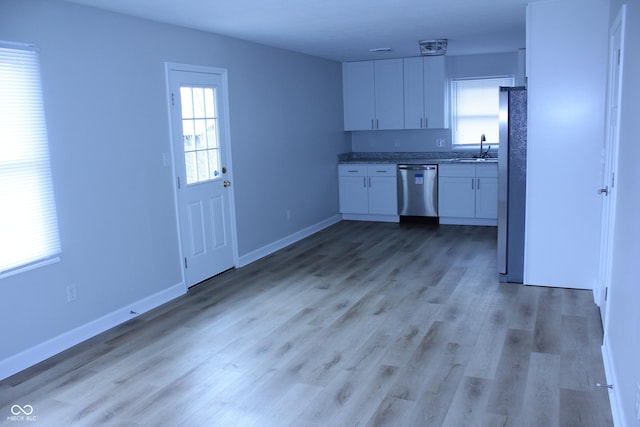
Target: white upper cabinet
[425, 93]
[389, 94]
[413, 93]
[358, 95]
[373, 95]
[435, 91]
[407, 93]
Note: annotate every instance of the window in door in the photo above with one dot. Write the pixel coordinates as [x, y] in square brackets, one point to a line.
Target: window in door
[28, 220]
[476, 107]
[200, 134]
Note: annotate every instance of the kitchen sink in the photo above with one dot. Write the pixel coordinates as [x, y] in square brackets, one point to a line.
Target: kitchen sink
[475, 160]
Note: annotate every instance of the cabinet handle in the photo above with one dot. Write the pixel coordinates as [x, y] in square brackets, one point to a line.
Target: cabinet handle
[478, 187]
[372, 124]
[369, 182]
[426, 121]
[420, 122]
[377, 127]
[364, 181]
[473, 184]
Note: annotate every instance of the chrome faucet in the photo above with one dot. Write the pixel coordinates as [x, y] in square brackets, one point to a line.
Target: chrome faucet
[483, 154]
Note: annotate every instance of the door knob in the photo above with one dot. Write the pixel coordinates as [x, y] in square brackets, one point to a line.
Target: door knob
[604, 191]
[226, 183]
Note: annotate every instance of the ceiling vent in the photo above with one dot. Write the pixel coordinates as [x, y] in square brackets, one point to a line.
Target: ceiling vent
[433, 47]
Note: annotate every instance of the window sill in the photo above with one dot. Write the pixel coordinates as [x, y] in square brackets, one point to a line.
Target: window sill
[29, 267]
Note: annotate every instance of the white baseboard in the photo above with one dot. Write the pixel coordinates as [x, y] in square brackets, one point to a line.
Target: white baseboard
[53, 346]
[614, 397]
[286, 241]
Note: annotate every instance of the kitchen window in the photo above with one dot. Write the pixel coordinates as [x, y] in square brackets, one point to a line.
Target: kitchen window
[475, 104]
[28, 220]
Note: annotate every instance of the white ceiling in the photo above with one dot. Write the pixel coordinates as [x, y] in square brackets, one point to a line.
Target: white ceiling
[345, 30]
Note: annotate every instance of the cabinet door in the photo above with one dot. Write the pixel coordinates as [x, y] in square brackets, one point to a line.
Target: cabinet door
[435, 89]
[354, 194]
[456, 197]
[389, 94]
[487, 198]
[358, 95]
[383, 195]
[413, 93]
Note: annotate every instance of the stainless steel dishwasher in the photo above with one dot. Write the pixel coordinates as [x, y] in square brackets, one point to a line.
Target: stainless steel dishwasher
[418, 190]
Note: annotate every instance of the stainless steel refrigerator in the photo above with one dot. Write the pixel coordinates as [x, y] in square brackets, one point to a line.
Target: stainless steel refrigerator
[512, 172]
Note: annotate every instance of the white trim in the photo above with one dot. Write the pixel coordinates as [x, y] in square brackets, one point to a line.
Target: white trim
[371, 217]
[168, 66]
[617, 412]
[30, 267]
[286, 241]
[38, 353]
[610, 154]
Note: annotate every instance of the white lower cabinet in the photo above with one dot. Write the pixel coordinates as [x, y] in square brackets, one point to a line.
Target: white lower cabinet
[368, 191]
[468, 194]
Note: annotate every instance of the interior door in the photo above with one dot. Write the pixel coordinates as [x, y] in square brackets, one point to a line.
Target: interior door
[610, 160]
[201, 161]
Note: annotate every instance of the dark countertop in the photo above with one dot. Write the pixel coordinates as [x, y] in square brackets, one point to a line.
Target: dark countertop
[406, 157]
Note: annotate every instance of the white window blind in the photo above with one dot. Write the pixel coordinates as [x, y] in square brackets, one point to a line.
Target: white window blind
[476, 108]
[28, 222]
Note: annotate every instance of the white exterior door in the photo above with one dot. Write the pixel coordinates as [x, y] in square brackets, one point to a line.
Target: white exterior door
[610, 161]
[200, 144]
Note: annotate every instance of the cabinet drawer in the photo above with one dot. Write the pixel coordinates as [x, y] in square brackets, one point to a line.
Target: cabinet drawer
[381, 170]
[352, 169]
[457, 170]
[487, 171]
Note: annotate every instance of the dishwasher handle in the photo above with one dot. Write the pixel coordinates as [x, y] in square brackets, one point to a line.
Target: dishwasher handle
[417, 167]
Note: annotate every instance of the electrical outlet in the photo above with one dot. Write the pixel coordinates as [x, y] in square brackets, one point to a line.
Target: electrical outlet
[71, 293]
[638, 400]
[440, 142]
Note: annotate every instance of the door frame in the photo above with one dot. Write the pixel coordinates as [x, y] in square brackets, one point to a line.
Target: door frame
[225, 146]
[610, 167]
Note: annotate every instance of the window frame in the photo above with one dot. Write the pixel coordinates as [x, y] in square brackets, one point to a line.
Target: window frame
[502, 80]
[25, 168]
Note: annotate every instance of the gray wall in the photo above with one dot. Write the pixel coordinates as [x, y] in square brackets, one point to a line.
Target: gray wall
[622, 340]
[463, 66]
[105, 100]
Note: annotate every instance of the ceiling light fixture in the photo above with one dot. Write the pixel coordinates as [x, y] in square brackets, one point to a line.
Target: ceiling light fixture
[433, 47]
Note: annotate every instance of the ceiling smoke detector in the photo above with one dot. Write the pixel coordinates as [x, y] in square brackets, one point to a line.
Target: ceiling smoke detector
[433, 47]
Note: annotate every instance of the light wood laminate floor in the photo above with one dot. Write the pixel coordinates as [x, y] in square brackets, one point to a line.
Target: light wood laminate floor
[362, 324]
